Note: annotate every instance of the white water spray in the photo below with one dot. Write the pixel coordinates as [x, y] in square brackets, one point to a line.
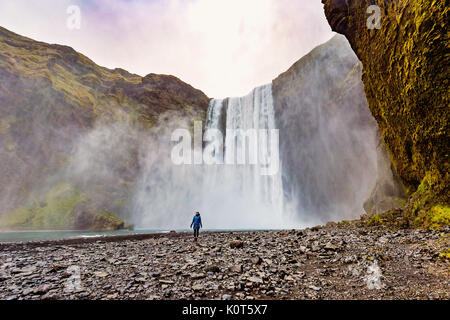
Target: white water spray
[229, 196]
[254, 111]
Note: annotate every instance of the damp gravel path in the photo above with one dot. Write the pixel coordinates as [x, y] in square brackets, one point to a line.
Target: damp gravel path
[332, 262]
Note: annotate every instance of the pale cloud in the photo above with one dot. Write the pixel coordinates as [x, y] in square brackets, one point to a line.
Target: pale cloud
[223, 47]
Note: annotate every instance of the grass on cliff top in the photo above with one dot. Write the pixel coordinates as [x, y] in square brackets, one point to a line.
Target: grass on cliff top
[65, 70]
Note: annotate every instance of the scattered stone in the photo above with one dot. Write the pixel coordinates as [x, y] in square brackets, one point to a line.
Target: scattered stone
[256, 260]
[24, 271]
[197, 287]
[101, 274]
[302, 249]
[255, 280]
[331, 247]
[315, 288]
[3, 276]
[236, 244]
[42, 289]
[212, 268]
[166, 281]
[236, 268]
[198, 276]
[268, 266]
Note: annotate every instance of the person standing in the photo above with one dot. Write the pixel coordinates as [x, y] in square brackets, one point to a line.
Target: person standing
[196, 224]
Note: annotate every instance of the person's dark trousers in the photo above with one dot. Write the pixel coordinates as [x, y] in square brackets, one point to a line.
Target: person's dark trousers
[196, 232]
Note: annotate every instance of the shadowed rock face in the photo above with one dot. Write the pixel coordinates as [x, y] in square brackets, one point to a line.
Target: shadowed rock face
[389, 192]
[327, 134]
[336, 12]
[51, 98]
[406, 84]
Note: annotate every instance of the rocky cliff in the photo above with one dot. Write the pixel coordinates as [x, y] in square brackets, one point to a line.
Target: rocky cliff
[58, 109]
[327, 134]
[405, 75]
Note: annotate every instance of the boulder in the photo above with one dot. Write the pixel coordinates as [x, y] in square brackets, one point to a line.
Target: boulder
[236, 244]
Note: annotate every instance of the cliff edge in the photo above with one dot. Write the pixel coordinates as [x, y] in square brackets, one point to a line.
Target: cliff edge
[406, 81]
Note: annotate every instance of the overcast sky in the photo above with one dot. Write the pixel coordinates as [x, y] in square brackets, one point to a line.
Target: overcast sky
[223, 47]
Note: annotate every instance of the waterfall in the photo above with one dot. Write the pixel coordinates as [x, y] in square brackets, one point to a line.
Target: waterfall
[324, 168]
[325, 153]
[252, 112]
[228, 196]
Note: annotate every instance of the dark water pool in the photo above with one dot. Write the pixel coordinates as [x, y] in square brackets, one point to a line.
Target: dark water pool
[36, 235]
[40, 235]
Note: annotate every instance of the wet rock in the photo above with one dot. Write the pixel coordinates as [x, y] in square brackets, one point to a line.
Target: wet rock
[42, 289]
[216, 249]
[197, 287]
[170, 270]
[101, 274]
[198, 276]
[315, 288]
[4, 276]
[24, 271]
[236, 268]
[256, 260]
[236, 244]
[255, 280]
[330, 247]
[166, 281]
[212, 268]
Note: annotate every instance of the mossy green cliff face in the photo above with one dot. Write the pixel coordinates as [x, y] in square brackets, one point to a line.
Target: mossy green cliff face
[62, 207]
[61, 113]
[406, 80]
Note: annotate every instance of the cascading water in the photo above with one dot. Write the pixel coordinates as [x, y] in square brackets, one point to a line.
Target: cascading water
[326, 155]
[252, 113]
[229, 196]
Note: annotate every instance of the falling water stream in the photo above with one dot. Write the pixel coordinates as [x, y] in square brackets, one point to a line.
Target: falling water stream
[251, 113]
[244, 195]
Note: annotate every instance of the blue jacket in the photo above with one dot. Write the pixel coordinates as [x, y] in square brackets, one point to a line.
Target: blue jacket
[197, 222]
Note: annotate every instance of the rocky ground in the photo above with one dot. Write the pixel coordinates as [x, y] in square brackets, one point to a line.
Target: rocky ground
[334, 262]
